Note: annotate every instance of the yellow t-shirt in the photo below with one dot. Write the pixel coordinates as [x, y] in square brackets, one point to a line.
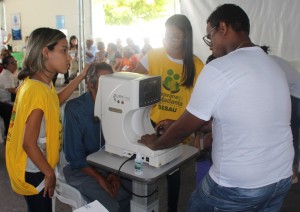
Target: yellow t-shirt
[32, 95]
[174, 97]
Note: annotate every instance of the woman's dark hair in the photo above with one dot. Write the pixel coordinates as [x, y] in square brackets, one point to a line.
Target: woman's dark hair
[232, 15]
[266, 49]
[34, 60]
[5, 60]
[188, 72]
[73, 37]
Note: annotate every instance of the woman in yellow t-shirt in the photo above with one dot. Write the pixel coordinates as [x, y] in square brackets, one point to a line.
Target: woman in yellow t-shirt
[34, 136]
[179, 69]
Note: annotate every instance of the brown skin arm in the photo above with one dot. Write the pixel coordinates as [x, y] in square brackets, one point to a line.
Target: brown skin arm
[140, 69]
[66, 92]
[197, 139]
[12, 90]
[117, 67]
[206, 133]
[207, 128]
[90, 55]
[104, 183]
[115, 182]
[31, 133]
[184, 126]
[7, 39]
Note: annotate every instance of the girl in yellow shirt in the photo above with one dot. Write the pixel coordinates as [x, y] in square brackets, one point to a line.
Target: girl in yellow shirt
[179, 69]
[34, 136]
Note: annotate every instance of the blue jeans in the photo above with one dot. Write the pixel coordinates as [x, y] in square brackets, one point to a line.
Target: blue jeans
[209, 196]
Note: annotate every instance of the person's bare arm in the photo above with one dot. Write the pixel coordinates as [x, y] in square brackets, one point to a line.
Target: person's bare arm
[12, 90]
[89, 54]
[104, 183]
[7, 39]
[30, 138]
[67, 91]
[140, 69]
[184, 126]
[117, 66]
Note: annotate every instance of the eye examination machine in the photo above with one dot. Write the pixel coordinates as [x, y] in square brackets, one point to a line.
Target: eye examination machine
[123, 104]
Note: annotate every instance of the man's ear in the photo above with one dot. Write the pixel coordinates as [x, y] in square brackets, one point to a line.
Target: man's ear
[45, 52]
[223, 28]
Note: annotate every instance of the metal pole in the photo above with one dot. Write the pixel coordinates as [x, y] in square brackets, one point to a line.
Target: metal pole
[81, 43]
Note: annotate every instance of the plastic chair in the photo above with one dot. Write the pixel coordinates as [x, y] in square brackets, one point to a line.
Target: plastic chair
[63, 191]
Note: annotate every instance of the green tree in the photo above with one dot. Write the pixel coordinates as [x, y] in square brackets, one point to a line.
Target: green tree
[126, 12]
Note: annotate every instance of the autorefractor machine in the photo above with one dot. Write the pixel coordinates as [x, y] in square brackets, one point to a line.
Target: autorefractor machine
[123, 104]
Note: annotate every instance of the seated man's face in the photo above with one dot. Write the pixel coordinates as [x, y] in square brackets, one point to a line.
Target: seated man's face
[89, 43]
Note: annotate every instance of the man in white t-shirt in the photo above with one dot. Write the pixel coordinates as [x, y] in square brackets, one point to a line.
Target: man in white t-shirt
[90, 50]
[247, 95]
[8, 79]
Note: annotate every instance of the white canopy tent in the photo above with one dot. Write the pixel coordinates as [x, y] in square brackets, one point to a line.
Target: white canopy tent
[272, 23]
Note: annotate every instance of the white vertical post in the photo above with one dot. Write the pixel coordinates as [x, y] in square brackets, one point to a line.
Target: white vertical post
[81, 43]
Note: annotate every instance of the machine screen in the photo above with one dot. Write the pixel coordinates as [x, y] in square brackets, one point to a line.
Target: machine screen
[150, 91]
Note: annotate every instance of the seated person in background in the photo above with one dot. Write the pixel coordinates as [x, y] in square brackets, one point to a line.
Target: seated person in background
[73, 50]
[82, 136]
[90, 50]
[147, 47]
[119, 44]
[136, 49]
[128, 61]
[8, 81]
[101, 54]
[113, 55]
[4, 53]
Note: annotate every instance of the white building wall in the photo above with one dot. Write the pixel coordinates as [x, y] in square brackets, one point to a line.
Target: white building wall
[42, 13]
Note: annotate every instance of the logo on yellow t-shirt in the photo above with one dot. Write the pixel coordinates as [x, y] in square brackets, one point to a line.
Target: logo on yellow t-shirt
[172, 82]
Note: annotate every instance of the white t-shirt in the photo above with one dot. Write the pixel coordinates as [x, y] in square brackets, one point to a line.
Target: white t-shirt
[145, 63]
[93, 50]
[41, 142]
[7, 80]
[292, 75]
[247, 95]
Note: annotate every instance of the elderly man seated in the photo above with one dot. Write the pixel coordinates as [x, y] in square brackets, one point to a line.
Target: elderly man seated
[82, 136]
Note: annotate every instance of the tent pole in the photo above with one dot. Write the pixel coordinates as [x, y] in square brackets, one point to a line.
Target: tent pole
[81, 43]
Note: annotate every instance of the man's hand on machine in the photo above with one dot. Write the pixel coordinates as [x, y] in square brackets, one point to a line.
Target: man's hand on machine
[147, 140]
[160, 129]
[163, 125]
